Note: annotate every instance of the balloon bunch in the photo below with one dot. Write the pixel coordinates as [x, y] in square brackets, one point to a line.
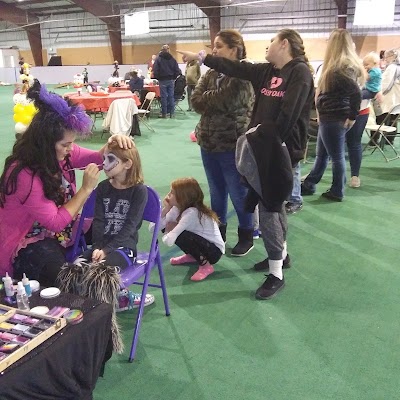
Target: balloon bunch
[24, 110]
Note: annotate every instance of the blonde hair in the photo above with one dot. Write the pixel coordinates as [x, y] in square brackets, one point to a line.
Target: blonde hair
[372, 56]
[393, 53]
[134, 175]
[188, 193]
[340, 57]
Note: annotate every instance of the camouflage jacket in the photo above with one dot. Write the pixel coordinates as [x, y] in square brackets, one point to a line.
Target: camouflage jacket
[225, 105]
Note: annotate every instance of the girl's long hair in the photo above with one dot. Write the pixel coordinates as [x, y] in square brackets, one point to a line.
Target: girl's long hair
[134, 175]
[341, 58]
[188, 193]
[296, 45]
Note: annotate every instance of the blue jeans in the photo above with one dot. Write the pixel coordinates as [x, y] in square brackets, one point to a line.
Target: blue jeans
[223, 178]
[353, 140]
[167, 97]
[330, 144]
[295, 197]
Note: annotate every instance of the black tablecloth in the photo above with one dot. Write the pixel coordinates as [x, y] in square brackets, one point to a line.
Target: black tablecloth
[67, 365]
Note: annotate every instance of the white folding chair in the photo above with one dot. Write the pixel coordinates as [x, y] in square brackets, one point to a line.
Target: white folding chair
[144, 110]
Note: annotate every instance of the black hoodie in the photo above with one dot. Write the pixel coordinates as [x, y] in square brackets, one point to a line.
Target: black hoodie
[165, 67]
[283, 97]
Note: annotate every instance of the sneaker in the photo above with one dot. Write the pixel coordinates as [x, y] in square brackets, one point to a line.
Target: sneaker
[162, 116]
[256, 234]
[330, 196]
[305, 191]
[355, 182]
[172, 116]
[270, 287]
[264, 265]
[292, 208]
[128, 300]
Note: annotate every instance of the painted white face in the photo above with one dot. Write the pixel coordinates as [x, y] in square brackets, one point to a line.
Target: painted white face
[64, 146]
[110, 162]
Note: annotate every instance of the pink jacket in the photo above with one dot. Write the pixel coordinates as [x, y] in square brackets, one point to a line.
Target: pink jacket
[16, 219]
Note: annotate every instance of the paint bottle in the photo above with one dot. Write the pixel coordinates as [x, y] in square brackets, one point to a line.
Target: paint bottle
[22, 298]
[8, 285]
[27, 285]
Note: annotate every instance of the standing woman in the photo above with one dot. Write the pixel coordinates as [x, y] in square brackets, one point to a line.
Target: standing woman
[284, 93]
[225, 106]
[38, 197]
[338, 99]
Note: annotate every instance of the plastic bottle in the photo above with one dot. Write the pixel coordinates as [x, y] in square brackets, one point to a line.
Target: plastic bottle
[27, 285]
[8, 285]
[22, 298]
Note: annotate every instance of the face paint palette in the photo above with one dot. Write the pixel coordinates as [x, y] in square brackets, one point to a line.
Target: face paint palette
[22, 331]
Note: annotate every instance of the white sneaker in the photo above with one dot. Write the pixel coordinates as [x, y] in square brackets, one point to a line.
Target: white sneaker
[128, 300]
[355, 182]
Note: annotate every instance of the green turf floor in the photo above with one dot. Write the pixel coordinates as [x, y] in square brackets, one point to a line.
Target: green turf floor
[332, 333]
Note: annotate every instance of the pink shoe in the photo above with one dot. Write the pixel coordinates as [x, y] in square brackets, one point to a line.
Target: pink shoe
[203, 272]
[185, 258]
[193, 137]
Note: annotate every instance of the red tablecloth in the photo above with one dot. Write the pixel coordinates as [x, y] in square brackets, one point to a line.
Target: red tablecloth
[102, 103]
[113, 89]
[153, 88]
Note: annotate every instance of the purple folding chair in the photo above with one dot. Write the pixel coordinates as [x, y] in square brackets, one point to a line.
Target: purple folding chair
[144, 264]
[80, 245]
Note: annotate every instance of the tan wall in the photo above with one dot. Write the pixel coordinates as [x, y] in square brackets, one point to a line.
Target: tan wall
[141, 54]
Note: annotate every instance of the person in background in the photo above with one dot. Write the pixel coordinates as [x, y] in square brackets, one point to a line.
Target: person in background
[390, 90]
[150, 66]
[192, 74]
[373, 84]
[284, 93]
[192, 226]
[85, 74]
[135, 82]
[39, 201]
[338, 99]
[127, 76]
[166, 70]
[382, 62]
[225, 105]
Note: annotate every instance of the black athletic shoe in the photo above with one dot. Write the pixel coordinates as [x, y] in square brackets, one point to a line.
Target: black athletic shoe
[263, 265]
[305, 191]
[330, 196]
[292, 208]
[270, 287]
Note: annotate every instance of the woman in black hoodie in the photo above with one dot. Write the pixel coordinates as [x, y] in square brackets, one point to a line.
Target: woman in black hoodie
[284, 93]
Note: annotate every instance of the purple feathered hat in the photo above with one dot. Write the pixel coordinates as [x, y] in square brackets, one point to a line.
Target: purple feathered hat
[73, 117]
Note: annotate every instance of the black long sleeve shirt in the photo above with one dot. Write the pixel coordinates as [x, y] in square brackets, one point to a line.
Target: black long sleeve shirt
[118, 216]
[283, 97]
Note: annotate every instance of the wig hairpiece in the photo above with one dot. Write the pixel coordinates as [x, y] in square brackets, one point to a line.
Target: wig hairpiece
[72, 116]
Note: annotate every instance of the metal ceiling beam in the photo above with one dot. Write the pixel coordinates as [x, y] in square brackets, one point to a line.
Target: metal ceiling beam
[342, 13]
[100, 8]
[213, 12]
[21, 18]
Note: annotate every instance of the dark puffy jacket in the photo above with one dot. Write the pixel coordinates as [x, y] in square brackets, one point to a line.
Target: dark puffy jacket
[165, 67]
[225, 105]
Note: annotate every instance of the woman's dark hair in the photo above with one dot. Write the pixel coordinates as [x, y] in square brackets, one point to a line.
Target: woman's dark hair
[296, 45]
[233, 39]
[35, 150]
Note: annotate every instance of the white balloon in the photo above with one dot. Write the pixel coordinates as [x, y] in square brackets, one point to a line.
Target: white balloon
[20, 127]
[18, 98]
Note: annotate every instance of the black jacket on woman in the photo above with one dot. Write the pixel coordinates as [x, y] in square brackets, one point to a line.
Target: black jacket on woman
[283, 97]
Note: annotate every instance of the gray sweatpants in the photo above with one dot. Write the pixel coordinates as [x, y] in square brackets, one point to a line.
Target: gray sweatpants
[273, 225]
